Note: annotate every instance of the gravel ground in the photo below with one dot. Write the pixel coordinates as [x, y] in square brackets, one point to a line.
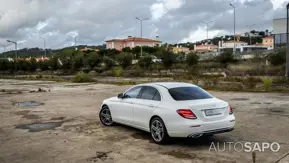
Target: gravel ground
[62, 125]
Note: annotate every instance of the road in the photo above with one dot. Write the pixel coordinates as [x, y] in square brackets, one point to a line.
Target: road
[64, 127]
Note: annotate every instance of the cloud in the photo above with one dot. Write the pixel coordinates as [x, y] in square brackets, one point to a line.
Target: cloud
[94, 21]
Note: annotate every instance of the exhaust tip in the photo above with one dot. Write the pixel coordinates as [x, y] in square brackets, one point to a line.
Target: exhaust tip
[195, 135]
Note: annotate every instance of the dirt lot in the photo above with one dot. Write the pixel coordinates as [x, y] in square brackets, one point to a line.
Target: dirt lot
[65, 127]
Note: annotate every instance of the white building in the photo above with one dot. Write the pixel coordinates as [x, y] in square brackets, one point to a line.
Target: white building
[240, 46]
[279, 32]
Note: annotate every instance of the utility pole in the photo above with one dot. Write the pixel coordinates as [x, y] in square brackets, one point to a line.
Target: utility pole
[250, 28]
[15, 61]
[234, 28]
[141, 20]
[207, 23]
[44, 45]
[287, 56]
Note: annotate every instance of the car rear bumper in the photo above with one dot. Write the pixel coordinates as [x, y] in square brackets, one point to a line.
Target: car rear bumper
[197, 129]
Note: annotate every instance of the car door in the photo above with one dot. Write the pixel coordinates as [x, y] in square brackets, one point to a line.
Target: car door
[123, 111]
[148, 100]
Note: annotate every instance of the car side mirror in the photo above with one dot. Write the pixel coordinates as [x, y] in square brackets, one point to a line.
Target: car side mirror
[120, 95]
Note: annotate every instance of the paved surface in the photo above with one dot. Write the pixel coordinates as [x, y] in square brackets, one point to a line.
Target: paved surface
[65, 127]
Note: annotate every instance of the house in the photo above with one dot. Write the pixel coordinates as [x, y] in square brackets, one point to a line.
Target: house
[88, 49]
[38, 59]
[180, 49]
[130, 42]
[241, 46]
[232, 43]
[205, 48]
[269, 42]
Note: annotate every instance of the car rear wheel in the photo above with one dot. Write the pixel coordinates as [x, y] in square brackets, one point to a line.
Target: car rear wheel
[105, 116]
[158, 131]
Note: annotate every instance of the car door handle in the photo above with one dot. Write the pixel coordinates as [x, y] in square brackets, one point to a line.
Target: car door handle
[131, 102]
[151, 105]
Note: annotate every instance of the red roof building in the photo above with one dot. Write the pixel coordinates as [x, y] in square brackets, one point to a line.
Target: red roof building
[130, 42]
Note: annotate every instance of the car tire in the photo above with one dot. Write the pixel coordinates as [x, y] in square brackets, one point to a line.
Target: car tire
[105, 116]
[158, 131]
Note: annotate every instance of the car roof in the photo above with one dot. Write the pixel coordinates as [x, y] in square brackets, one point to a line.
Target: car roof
[170, 85]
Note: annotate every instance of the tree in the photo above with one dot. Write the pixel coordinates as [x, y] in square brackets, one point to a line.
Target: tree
[278, 58]
[92, 60]
[124, 59]
[43, 65]
[192, 59]
[127, 49]
[33, 65]
[108, 62]
[53, 63]
[23, 65]
[66, 63]
[4, 64]
[78, 60]
[168, 58]
[145, 61]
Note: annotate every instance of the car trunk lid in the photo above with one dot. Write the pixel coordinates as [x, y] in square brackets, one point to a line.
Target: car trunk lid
[208, 109]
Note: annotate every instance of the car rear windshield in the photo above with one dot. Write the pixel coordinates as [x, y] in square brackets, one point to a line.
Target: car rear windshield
[189, 93]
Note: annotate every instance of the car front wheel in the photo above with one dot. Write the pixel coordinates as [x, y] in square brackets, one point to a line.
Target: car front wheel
[105, 116]
[158, 131]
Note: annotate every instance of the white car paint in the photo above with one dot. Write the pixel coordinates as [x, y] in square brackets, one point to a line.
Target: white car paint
[138, 112]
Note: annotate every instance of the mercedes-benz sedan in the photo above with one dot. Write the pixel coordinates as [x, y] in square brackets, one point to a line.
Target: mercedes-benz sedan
[169, 109]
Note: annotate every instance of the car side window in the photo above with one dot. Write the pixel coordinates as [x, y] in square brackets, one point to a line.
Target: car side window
[157, 96]
[150, 93]
[132, 93]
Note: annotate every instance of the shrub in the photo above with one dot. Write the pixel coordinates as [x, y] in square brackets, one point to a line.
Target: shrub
[124, 59]
[33, 65]
[145, 61]
[54, 63]
[225, 58]
[5, 64]
[192, 59]
[92, 60]
[117, 71]
[278, 58]
[82, 77]
[267, 83]
[168, 59]
[108, 62]
[43, 65]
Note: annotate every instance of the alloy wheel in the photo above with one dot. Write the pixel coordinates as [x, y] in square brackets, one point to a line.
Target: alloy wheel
[105, 116]
[157, 130]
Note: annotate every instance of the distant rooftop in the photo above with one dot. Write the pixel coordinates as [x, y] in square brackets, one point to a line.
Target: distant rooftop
[129, 39]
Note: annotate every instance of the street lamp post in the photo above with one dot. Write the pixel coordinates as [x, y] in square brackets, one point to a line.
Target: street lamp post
[44, 45]
[141, 20]
[15, 61]
[234, 27]
[287, 56]
[250, 28]
[207, 23]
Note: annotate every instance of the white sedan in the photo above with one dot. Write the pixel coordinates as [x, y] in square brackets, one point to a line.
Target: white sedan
[169, 109]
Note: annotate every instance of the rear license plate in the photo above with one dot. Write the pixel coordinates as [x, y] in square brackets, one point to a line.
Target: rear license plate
[212, 112]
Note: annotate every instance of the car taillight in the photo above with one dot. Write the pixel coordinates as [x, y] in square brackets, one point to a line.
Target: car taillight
[231, 110]
[186, 113]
